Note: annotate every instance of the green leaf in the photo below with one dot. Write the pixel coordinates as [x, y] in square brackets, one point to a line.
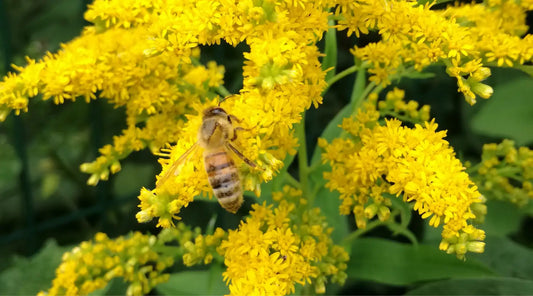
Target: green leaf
[508, 258]
[116, 286]
[330, 51]
[394, 263]
[405, 208]
[329, 202]
[528, 69]
[484, 286]
[28, 276]
[331, 131]
[502, 218]
[508, 112]
[195, 283]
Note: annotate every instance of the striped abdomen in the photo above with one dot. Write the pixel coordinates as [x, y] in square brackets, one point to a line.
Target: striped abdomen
[224, 178]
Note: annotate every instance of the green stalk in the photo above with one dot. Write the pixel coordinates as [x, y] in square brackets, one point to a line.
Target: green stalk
[223, 91]
[302, 161]
[330, 51]
[291, 181]
[339, 76]
[359, 232]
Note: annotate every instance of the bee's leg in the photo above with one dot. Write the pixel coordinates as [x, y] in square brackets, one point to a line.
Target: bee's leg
[233, 117]
[235, 132]
[239, 154]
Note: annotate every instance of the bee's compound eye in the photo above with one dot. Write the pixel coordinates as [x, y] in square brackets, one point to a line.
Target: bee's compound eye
[215, 111]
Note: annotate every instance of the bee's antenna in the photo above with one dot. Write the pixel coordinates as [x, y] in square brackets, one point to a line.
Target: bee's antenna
[225, 98]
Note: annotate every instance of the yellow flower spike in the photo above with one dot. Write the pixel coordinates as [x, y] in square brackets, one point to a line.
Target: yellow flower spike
[393, 159]
[92, 264]
[267, 255]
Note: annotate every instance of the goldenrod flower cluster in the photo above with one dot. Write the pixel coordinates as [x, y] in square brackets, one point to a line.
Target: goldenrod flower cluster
[92, 264]
[274, 249]
[203, 249]
[282, 78]
[466, 39]
[143, 55]
[269, 253]
[505, 172]
[381, 160]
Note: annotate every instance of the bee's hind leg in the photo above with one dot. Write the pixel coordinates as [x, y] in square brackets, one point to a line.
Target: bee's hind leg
[239, 154]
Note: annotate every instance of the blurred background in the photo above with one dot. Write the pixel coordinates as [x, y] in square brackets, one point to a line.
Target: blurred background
[46, 206]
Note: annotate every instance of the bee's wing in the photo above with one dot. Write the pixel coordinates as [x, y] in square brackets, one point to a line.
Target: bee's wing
[176, 166]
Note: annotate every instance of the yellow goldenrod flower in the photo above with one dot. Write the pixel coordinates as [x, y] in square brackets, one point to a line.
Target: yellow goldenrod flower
[140, 260]
[92, 264]
[416, 36]
[269, 253]
[390, 159]
[143, 55]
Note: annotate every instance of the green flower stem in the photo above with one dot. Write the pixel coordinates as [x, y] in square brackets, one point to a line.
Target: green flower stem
[399, 116]
[339, 76]
[359, 85]
[303, 166]
[359, 232]
[291, 181]
[401, 230]
[473, 170]
[223, 91]
[510, 172]
[371, 225]
[315, 166]
[358, 100]
[329, 62]
[307, 290]
[167, 250]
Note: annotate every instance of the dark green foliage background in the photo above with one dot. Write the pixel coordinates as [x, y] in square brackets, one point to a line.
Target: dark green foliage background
[46, 207]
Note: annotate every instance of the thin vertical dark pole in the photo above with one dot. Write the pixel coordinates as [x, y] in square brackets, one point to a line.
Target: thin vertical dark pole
[19, 141]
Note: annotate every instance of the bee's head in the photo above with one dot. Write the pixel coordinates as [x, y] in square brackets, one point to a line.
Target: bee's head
[214, 111]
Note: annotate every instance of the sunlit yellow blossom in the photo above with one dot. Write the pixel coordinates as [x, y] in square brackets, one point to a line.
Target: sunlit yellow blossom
[282, 78]
[416, 36]
[416, 163]
[143, 55]
[268, 254]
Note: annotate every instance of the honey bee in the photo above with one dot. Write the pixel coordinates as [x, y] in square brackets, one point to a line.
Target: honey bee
[215, 136]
